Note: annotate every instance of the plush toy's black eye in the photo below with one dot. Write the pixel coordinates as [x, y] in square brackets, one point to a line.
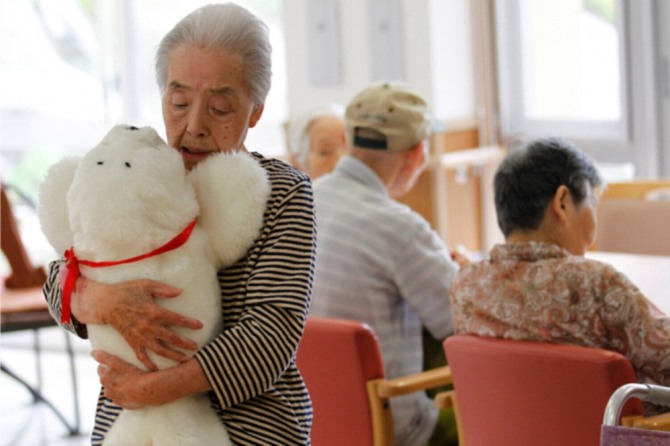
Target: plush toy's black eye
[100, 163]
[127, 164]
[132, 127]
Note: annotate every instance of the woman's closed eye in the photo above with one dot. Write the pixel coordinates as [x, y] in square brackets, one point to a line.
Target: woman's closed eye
[220, 105]
[220, 112]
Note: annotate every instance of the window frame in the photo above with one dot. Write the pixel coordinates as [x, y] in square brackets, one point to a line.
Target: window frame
[511, 78]
[638, 140]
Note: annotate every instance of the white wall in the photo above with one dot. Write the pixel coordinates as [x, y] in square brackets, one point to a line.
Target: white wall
[436, 37]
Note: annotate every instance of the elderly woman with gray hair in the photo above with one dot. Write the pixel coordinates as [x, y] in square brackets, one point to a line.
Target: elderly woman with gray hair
[538, 286]
[214, 72]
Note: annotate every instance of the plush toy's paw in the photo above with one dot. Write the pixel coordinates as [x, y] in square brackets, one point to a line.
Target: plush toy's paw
[52, 208]
[232, 189]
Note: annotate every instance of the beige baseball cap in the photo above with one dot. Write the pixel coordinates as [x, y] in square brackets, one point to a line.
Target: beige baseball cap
[388, 117]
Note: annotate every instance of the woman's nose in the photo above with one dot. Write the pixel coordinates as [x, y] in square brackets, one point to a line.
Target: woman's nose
[197, 122]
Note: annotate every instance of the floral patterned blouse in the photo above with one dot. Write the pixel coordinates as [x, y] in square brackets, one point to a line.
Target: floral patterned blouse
[540, 292]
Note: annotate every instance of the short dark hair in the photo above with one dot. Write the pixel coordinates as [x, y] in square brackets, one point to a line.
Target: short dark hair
[528, 178]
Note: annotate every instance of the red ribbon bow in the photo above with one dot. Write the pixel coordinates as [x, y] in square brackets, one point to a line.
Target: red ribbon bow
[72, 263]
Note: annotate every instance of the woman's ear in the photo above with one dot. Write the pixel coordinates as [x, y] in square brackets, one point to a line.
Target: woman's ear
[256, 115]
[560, 203]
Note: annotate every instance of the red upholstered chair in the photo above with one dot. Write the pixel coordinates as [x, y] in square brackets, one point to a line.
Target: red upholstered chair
[342, 366]
[532, 393]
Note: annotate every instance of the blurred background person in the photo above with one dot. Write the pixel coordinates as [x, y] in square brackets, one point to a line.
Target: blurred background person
[316, 139]
[377, 260]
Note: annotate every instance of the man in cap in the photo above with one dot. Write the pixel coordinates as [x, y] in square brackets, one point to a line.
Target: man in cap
[378, 261]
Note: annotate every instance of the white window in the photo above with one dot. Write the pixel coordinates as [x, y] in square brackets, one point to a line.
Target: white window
[562, 68]
[71, 69]
[593, 71]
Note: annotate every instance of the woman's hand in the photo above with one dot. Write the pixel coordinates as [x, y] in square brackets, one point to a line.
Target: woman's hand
[130, 308]
[124, 384]
[133, 388]
[461, 255]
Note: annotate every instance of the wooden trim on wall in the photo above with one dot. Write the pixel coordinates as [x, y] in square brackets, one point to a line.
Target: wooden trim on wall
[459, 139]
[455, 192]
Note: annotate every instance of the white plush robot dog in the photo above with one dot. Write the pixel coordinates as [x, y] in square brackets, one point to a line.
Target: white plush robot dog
[129, 196]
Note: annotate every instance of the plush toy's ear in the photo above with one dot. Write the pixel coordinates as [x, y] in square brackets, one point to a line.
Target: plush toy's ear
[232, 190]
[52, 209]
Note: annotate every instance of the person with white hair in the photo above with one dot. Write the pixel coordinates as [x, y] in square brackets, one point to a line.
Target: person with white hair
[214, 72]
[316, 139]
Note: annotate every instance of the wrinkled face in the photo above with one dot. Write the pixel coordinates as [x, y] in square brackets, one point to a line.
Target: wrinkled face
[207, 106]
[327, 145]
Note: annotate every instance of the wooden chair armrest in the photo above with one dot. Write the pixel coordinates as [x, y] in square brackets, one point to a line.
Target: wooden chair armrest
[381, 390]
[448, 399]
[412, 383]
[445, 400]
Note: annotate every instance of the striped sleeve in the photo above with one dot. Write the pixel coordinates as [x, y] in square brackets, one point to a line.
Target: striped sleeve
[52, 293]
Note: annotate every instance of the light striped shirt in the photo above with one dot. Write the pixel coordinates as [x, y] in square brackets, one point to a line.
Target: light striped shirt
[265, 299]
[380, 262]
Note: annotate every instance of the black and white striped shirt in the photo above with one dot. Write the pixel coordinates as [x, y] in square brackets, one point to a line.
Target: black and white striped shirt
[258, 391]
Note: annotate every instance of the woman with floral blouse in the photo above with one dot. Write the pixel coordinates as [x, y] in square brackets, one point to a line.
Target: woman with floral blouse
[538, 286]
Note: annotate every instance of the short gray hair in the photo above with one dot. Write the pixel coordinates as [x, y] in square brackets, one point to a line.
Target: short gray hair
[299, 137]
[227, 27]
[528, 177]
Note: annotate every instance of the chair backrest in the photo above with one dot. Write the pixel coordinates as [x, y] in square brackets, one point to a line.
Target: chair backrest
[22, 304]
[337, 358]
[518, 392]
[24, 274]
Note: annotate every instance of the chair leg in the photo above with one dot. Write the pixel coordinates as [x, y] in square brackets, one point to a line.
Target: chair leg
[38, 361]
[449, 399]
[37, 395]
[36, 391]
[73, 375]
[380, 412]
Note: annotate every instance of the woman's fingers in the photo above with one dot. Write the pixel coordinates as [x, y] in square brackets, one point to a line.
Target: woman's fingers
[145, 337]
[131, 308]
[167, 337]
[166, 317]
[144, 358]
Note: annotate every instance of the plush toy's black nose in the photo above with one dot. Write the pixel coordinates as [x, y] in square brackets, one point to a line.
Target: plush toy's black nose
[132, 127]
[100, 163]
[127, 164]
